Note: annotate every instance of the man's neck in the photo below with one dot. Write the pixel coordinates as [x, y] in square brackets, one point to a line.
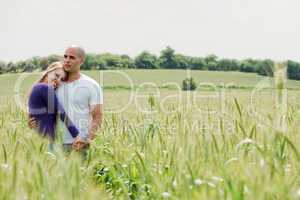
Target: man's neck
[73, 77]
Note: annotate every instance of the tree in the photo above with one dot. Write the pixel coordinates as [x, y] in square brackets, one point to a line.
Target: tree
[182, 62]
[101, 63]
[265, 67]
[43, 63]
[127, 62]
[2, 67]
[167, 58]
[11, 67]
[20, 65]
[293, 70]
[50, 59]
[227, 65]
[112, 60]
[197, 63]
[211, 62]
[146, 60]
[248, 65]
[234, 65]
[26, 66]
[29, 66]
[90, 62]
[37, 62]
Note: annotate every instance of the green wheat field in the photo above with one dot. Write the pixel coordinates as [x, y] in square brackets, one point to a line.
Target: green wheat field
[235, 137]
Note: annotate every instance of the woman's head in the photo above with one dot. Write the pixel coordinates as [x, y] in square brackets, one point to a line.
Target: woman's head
[54, 74]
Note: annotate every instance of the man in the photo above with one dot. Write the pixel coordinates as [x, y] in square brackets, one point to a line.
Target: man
[82, 100]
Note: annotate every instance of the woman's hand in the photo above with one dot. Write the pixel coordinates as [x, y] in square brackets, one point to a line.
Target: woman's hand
[32, 123]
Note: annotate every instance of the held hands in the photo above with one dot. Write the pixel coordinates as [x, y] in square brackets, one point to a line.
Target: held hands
[80, 144]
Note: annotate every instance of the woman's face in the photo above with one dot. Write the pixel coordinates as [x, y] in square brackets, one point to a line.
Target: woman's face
[55, 77]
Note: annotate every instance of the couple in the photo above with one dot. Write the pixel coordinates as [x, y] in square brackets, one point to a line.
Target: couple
[76, 98]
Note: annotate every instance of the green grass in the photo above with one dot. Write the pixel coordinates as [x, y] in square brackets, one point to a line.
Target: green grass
[225, 147]
[162, 79]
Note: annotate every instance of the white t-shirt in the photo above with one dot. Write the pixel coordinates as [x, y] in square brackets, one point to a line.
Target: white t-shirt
[76, 98]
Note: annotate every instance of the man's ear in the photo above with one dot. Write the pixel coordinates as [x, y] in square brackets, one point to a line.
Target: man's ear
[81, 61]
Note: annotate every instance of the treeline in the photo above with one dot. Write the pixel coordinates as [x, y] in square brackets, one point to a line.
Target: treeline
[167, 59]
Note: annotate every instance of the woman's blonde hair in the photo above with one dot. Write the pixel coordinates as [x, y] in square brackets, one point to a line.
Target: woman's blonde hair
[53, 66]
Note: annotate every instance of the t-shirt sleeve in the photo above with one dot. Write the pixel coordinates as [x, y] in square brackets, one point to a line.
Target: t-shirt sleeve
[96, 93]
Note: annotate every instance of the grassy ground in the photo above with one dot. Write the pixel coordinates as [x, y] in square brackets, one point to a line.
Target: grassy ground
[201, 145]
[111, 79]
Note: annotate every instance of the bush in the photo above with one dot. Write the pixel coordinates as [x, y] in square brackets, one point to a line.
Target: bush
[293, 70]
[189, 84]
[265, 68]
[146, 60]
[2, 67]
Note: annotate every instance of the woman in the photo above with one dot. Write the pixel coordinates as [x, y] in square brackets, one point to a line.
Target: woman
[44, 106]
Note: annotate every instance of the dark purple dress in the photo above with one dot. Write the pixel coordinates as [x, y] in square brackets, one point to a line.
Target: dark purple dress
[44, 107]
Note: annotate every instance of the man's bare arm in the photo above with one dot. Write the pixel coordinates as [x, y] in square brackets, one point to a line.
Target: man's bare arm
[96, 116]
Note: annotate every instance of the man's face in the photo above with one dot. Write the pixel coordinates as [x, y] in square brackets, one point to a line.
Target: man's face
[72, 61]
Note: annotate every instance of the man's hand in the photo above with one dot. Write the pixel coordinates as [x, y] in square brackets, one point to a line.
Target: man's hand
[32, 123]
[91, 136]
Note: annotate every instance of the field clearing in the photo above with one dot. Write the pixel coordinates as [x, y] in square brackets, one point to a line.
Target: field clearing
[19, 84]
[167, 144]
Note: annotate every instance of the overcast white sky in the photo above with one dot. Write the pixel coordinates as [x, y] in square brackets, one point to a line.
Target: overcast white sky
[227, 28]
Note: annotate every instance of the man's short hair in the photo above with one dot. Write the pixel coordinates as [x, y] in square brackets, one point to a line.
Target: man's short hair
[80, 51]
